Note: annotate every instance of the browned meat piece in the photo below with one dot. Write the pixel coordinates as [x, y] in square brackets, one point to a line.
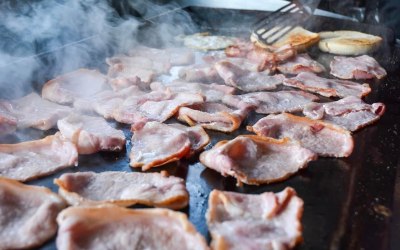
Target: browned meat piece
[256, 160]
[128, 110]
[350, 112]
[266, 58]
[325, 139]
[273, 102]
[27, 214]
[266, 221]
[144, 63]
[215, 116]
[91, 134]
[241, 62]
[8, 122]
[361, 67]
[123, 189]
[301, 63]
[113, 227]
[165, 109]
[197, 136]
[121, 82]
[247, 80]
[156, 144]
[153, 106]
[82, 83]
[212, 92]
[269, 58]
[106, 102]
[199, 73]
[239, 50]
[122, 76]
[327, 87]
[28, 160]
[33, 111]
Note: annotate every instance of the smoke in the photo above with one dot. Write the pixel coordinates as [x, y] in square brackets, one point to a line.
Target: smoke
[41, 39]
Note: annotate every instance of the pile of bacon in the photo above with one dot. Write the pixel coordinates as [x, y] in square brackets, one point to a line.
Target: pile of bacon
[146, 88]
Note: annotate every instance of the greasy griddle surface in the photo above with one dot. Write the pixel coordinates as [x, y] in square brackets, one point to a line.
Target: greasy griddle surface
[346, 201]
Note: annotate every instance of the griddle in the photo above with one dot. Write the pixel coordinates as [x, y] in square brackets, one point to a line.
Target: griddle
[349, 203]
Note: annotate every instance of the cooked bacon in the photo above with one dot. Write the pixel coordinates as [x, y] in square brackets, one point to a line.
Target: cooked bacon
[247, 80]
[199, 73]
[122, 76]
[273, 102]
[361, 67]
[241, 62]
[113, 227]
[239, 49]
[325, 139]
[91, 134]
[121, 82]
[214, 116]
[256, 160]
[301, 63]
[254, 221]
[156, 144]
[197, 136]
[28, 160]
[106, 102]
[267, 59]
[8, 122]
[123, 189]
[327, 87]
[82, 83]
[350, 112]
[27, 214]
[127, 111]
[153, 106]
[165, 109]
[31, 111]
[212, 92]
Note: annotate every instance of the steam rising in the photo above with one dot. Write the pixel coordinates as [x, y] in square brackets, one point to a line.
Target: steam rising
[45, 38]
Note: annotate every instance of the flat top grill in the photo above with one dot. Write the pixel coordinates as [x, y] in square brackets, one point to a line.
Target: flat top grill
[349, 203]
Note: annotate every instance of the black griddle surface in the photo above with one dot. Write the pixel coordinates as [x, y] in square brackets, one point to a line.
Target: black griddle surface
[347, 202]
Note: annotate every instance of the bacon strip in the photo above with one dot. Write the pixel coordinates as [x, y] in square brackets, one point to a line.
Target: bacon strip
[325, 139]
[273, 102]
[67, 88]
[156, 144]
[256, 160]
[123, 189]
[301, 63]
[214, 116]
[212, 92]
[28, 214]
[8, 122]
[327, 87]
[248, 221]
[115, 227]
[350, 112]
[247, 80]
[361, 67]
[28, 160]
[267, 59]
[91, 134]
[31, 111]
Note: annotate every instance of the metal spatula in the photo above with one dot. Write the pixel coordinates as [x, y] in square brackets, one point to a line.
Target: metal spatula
[275, 25]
